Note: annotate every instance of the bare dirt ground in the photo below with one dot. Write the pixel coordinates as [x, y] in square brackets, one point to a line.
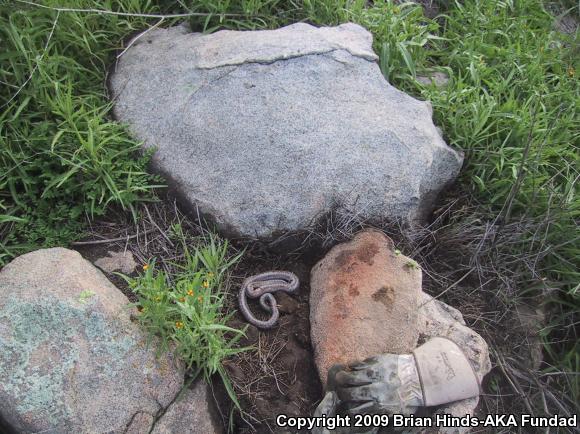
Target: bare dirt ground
[277, 375]
[461, 264]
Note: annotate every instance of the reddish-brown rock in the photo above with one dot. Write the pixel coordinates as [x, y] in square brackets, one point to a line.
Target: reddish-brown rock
[364, 301]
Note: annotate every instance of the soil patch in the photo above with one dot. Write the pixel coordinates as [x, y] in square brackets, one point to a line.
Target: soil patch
[277, 375]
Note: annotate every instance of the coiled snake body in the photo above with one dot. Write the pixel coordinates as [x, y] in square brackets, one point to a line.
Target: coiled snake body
[263, 285]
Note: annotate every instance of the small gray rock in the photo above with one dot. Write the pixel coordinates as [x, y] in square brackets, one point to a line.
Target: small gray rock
[265, 131]
[117, 261]
[438, 78]
[440, 319]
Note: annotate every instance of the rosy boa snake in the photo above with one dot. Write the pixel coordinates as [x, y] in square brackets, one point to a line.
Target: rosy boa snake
[263, 285]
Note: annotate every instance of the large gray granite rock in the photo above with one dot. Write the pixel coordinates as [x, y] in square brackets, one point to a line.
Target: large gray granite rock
[265, 131]
[71, 359]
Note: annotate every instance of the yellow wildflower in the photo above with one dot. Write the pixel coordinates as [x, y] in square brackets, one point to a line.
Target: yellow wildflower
[571, 72]
[190, 292]
[182, 299]
[145, 267]
[205, 284]
[178, 324]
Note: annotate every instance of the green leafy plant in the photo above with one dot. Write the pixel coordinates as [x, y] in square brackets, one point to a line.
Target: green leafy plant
[62, 158]
[185, 308]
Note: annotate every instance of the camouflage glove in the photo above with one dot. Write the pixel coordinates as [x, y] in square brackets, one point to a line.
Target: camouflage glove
[436, 373]
[385, 384]
[330, 405]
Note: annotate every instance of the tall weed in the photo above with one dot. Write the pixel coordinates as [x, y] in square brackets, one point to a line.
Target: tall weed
[62, 159]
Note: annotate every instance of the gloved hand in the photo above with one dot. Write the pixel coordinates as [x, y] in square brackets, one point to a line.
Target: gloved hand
[436, 373]
[330, 405]
[385, 384]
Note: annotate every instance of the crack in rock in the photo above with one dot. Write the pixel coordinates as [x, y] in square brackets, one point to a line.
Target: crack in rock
[234, 48]
[288, 57]
[163, 410]
[130, 425]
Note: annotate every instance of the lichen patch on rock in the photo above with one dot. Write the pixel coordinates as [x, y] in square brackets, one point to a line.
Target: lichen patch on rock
[71, 359]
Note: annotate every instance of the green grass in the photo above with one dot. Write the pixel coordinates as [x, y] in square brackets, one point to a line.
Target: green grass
[61, 157]
[185, 308]
[511, 105]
